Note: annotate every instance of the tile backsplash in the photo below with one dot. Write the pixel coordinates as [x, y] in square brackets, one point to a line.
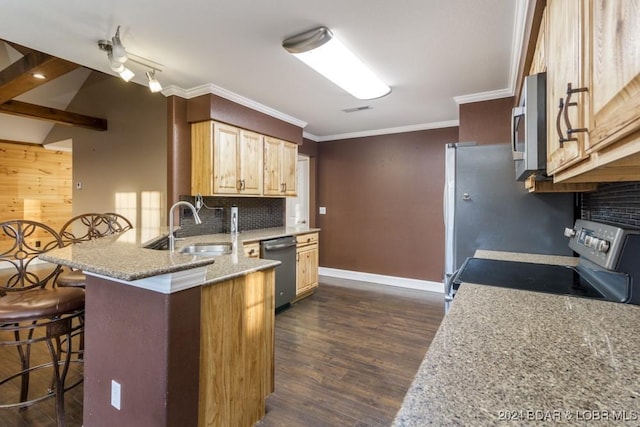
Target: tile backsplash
[253, 213]
[618, 203]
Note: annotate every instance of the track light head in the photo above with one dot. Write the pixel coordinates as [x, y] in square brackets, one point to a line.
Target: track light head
[154, 84]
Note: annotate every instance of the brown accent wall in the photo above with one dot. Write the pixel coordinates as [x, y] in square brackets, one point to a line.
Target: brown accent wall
[486, 122]
[130, 157]
[383, 196]
[178, 150]
[213, 107]
[148, 342]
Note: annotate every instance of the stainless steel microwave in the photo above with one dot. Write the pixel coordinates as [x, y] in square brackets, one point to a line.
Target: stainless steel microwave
[529, 128]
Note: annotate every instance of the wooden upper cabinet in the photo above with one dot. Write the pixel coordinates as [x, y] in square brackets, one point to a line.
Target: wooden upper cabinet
[614, 85]
[565, 52]
[202, 158]
[225, 160]
[280, 162]
[289, 167]
[226, 174]
[250, 162]
[593, 45]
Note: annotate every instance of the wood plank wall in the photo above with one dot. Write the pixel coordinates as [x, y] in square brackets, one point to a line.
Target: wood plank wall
[36, 184]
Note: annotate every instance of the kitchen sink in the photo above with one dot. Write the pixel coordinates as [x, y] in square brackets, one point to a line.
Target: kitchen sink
[207, 249]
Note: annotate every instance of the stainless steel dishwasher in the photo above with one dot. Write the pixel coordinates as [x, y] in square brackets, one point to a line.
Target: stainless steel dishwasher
[282, 249]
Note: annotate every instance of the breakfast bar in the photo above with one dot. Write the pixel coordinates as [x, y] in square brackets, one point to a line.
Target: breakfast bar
[173, 338]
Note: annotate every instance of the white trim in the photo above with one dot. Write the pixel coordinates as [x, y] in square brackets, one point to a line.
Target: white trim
[483, 96]
[231, 96]
[388, 131]
[402, 282]
[165, 283]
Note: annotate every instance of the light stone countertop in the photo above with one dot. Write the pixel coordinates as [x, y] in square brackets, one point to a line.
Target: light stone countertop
[511, 357]
[125, 257]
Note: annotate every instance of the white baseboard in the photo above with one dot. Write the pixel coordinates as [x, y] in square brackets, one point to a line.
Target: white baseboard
[402, 282]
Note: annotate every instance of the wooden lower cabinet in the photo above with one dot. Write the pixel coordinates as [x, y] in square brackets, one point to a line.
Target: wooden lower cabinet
[306, 264]
[236, 350]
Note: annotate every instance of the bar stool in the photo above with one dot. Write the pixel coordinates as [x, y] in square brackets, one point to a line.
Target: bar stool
[83, 228]
[33, 313]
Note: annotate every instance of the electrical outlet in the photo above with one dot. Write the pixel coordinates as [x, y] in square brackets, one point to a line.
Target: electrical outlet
[115, 394]
[323, 210]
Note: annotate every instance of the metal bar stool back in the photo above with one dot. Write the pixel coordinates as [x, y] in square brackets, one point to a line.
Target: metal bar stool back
[83, 228]
[33, 311]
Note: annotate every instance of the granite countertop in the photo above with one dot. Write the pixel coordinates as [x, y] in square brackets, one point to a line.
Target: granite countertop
[505, 356]
[125, 257]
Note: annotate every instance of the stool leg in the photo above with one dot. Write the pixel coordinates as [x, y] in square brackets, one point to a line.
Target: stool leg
[53, 335]
[24, 351]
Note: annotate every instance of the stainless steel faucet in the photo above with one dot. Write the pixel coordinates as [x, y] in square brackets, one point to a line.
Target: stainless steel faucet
[196, 218]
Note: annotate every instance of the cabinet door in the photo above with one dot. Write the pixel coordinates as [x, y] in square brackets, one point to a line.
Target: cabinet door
[289, 168]
[226, 179]
[307, 269]
[615, 70]
[202, 158]
[250, 162]
[272, 167]
[565, 60]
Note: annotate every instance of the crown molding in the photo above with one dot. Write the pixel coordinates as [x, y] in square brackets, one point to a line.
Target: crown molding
[387, 131]
[210, 88]
[483, 96]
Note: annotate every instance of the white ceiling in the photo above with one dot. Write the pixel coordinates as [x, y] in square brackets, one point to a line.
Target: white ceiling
[431, 52]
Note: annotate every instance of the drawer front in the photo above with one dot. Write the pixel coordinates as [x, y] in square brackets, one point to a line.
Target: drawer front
[252, 250]
[307, 239]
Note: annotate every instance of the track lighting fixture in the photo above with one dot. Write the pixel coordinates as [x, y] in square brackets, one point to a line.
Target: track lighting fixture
[154, 84]
[118, 55]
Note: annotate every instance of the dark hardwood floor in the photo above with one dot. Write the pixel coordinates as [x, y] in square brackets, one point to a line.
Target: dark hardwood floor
[347, 355]
[344, 357]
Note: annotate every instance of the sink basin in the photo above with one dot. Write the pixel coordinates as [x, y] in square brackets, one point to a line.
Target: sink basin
[207, 249]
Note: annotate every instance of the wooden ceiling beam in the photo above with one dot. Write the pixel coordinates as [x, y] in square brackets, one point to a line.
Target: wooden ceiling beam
[11, 141]
[32, 111]
[18, 78]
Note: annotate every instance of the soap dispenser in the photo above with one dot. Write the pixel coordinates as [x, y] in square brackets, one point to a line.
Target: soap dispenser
[233, 225]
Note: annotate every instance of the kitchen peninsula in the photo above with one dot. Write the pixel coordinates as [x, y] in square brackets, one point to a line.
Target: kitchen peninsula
[188, 339]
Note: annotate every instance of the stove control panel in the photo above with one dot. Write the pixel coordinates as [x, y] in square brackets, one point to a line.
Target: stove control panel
[598, 242]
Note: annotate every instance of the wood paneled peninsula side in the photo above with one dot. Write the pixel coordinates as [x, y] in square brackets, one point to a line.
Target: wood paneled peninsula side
[188, 338]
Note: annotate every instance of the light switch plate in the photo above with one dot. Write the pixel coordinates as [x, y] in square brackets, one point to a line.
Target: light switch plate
[323, 210]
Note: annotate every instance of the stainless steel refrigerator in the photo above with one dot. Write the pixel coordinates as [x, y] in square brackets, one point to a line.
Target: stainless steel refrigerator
[485, 208]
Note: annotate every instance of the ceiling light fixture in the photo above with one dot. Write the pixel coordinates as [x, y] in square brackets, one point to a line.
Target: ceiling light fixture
[154, 84]
[118, 55]
[324, 52]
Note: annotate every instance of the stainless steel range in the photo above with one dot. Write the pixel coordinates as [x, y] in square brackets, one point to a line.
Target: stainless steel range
[608, 267]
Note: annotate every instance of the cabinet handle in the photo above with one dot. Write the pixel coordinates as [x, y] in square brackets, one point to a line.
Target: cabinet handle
[567, 122]
[243, 185]
[561, 138]
[239, 185]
